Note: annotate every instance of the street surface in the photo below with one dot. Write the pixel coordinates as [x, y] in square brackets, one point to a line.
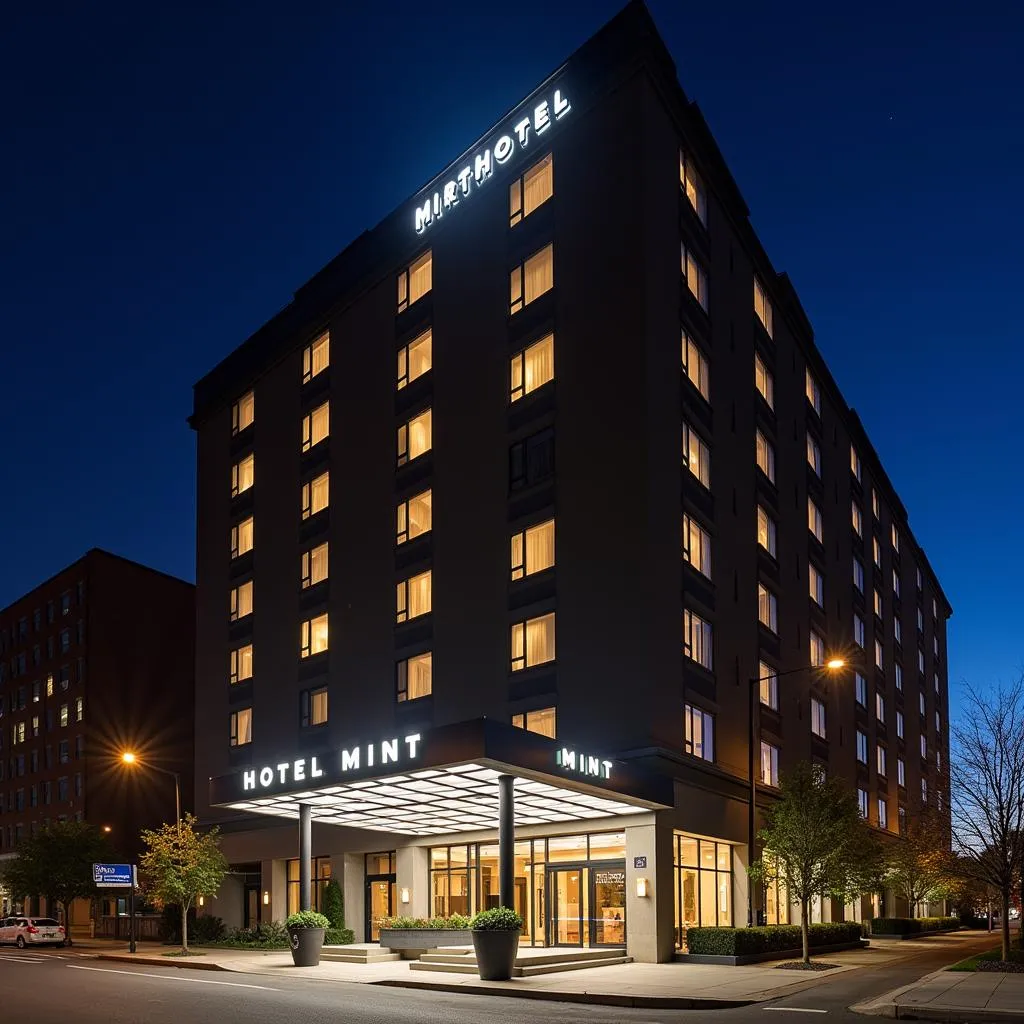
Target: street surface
[71, 987]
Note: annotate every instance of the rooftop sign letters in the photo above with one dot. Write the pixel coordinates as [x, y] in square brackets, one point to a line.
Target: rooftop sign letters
[519, 133]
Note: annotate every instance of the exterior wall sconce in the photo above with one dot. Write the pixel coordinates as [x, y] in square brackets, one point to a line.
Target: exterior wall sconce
[404, 895]
[266, 897]
[202, 900]
[643, 888]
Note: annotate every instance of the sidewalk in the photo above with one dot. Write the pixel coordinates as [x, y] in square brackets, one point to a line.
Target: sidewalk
[954, 996]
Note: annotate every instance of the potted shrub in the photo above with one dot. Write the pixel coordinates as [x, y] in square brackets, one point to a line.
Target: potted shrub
[496, 942]
[306, 932]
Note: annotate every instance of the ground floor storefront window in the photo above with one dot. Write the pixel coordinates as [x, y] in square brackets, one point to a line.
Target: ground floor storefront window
[569, 890]
[703, 884]
[776, 903]
[321, 874]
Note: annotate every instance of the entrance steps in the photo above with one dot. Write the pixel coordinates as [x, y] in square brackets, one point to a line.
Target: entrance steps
[370, 953]
[529, 964]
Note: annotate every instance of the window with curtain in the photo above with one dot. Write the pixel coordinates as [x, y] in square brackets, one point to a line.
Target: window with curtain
[696, 276]
[243, 412]
[532, 278]
[241, 600]
[767, 608]
[316, 494]
[240, 664]
[765, 455]
[314, 565]
[698, 733]
[415, 437]
[242, 537]
[531, 190]
[532, 368]
[541, 721]
[697, 639]
[533, 549]
[243, 475]
[696, 546]
[414, 517]
[692, 186]
[764, 381]
[314, 636]
[414, 676]
[416, 358]
[415, 281]
[413, 597]
[533, 642]
[695, 366]
[316, 425]
[763, 307]
[241, 727]
[316, 357]
[766, 531]
[313, 707]
[696, 456]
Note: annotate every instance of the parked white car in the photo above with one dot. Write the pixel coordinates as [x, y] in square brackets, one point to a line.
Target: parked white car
[32, 931]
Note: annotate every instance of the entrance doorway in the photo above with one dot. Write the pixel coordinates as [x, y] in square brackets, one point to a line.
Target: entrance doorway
[587, 905]
[379, 898]
[251, 907]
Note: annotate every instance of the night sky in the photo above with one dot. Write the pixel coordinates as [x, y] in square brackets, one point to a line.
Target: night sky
[170, 174]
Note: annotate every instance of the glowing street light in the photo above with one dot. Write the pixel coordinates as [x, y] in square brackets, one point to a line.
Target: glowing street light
[130, 758]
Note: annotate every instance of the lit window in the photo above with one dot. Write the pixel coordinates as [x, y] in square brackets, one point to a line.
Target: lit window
[241, 600]
[860, 689]
[766, 531]
[691, 184]
[862, 803]
[314, 638]
[763, 308]
[316, 357]
[880, 707]
[49, 686]
[241, 727]
[920, 699]
[862, 747]
[316, 494]
[533, 642]
[898, 672]
[858, 630]
[765, 456]
[900, 725]
[895, 534]
[414, 281]
[769, 764]
[897, 630]
[240, 664]
[243, 412]
[412, 596]
[414, 677]
[530, 190]
[883, 813]
[880, 759]
[879, 657]
[697, 638]
[696, 276]
[532, 278]
[415, 358]
[767, 608]
[901, 772]
[920, 580]
[764, 381]
[532, 368]
[812, 391]
[695, 366]
[698, 733]
[814, 523]
[696, 546]
[877, 602]
[316, 425]
[414, 517]
[541, 721]
[314, 565]
[241, 537]
[817, 646]
[876, 552]
[414, 437]
[858, 575]
[64, 719]
[875, 506]
[533, 550]
[816, 585]
[813, 455]
[817, 718]
[895, 583]
[243, 475]
[696, 456]
[768, 681]
[924, 746]
[313, 707]
[856, 519]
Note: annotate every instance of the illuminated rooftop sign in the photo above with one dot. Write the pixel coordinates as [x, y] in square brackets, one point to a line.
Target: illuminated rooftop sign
[520, 134]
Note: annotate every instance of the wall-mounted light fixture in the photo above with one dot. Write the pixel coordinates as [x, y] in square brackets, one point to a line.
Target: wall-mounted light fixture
[266, 898]
[643, 888]
[202, 900]
[404, 895]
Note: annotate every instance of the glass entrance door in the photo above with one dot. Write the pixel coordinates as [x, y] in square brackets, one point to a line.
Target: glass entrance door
[566, 891]
[380, 902]
[608, 900]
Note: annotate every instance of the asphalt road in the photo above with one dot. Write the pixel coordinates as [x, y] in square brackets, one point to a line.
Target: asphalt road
[66, 987]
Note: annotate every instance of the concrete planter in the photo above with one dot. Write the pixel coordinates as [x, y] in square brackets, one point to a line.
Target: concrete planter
[411, 943]
[760, 958]
[495, 953]
[306, 944]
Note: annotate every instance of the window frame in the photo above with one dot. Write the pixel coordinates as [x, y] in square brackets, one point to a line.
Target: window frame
[402, 677]
[518, 364]
[309, 354]
[517, 211]
[403, 379]
[517, 300]
[405, 278]
[692, 713]
[307, 702]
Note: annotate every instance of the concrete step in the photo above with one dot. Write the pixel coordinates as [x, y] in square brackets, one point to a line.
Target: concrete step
[344, 955]
[449, 968]
[556, 956]
[528, 971]
[447, 958]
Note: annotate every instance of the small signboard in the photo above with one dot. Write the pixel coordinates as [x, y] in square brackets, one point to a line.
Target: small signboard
[639, 862]
[113, 876]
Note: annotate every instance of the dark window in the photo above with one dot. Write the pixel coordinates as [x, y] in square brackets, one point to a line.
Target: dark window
[532, 460]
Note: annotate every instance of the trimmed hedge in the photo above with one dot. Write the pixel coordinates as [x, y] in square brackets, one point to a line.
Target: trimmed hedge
[772, 939]
[339, 937]
[912, 925]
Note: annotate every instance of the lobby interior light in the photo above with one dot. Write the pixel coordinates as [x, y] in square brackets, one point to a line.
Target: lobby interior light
[643, 889]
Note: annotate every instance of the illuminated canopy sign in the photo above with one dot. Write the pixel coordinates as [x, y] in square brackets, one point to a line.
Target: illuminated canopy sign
[583, 764]
[519, 133]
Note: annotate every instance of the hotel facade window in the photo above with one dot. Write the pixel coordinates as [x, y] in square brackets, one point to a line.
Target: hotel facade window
[313, 707]
[532, 368]
[862, 747]
[813, 455]
[763, 308]
[877, 601]
[415, 437]
[316, 494]
[816, 585]
[243, 475]
[414, 677]
[856, 519]
[530, 190]
[880, 708]
[316, 357]
[533, 549]
[243, 412]
[696, 456]
[695, 275]
[415, 281]
[768, 681]
[812, 391]
[881, 759]
[533, 642]
[415, 358]
[767, 608]
[313, 636]
[769, 764]
[766, 531]
[242, 537]
[862, 803]
[241, 601]
[695, 366]
[855, 463]
[698, 733]
[316, 426]
[817, 645]
[765, 455]
[542, 721]
[860, 689]
[858, 630]
[703, 885]
[320, 875]
[532, 278]
[858, 574]
[697, 639]
[414, 517]
[413, 597]
[814, 520]
[693, 188]
[240, 664]
[817, 718]
[764, 381]
[696, 546]
[314, 565]
[241, 727]
[901, 772]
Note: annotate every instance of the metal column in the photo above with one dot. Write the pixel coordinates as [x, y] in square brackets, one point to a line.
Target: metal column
[506, 841]
[305, 857]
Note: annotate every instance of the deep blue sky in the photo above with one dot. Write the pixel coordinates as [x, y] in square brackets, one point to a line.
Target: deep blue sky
[169, 174]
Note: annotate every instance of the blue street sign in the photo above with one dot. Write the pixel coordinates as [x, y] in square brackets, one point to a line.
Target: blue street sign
[113, 876]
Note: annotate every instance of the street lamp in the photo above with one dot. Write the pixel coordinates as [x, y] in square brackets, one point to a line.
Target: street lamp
[832, 665]
[129, 758]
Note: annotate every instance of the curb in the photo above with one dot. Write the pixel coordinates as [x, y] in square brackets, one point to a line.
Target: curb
[594, 998]
[183, 963]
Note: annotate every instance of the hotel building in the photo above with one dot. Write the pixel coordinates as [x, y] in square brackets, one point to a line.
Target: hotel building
[532, 483]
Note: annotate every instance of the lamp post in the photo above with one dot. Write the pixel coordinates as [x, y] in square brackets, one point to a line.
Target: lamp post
[832, 665]
[131, 759]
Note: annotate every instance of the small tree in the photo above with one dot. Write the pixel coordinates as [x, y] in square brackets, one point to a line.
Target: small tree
[334, 904]
[57, 863]
[919, 866]
[816, 843]
[986, 775]
[180, 865]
